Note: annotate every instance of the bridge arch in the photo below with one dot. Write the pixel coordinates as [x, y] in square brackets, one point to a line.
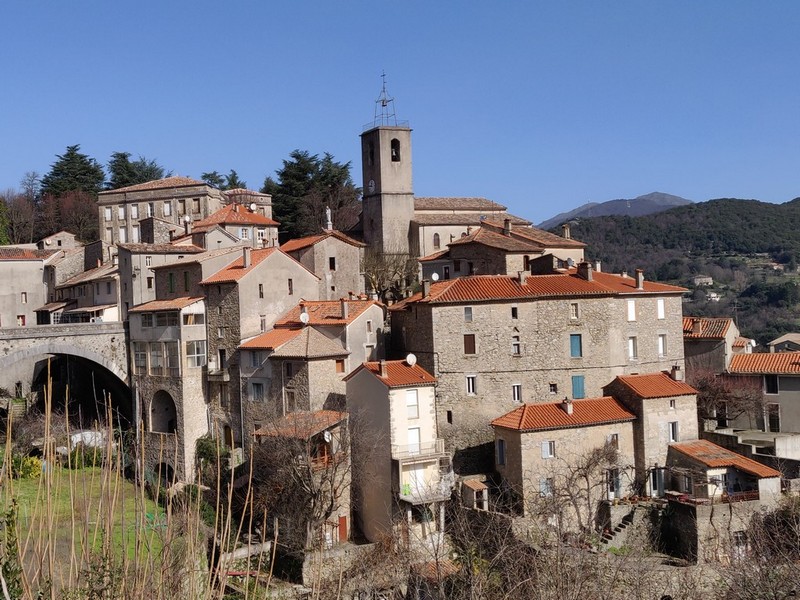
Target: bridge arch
[46, 347]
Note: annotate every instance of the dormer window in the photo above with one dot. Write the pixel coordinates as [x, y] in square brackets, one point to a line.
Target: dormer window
[395, 150]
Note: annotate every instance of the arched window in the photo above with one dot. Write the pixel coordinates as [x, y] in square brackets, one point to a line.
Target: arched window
[395, 150]
[371, 153]
[436, 241]
[163, 417]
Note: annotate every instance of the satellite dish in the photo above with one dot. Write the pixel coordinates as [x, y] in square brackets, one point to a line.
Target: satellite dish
[186, 218]
[435, 277]
[48, 242]
[253, 207]
[327, 435]
[411, 360]
[304, 318]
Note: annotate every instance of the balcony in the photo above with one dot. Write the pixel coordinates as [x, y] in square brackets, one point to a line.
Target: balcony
[218, 375]
[438, 489]
[416, 452]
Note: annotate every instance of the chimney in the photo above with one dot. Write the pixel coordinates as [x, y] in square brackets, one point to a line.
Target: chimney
[187, 225]
[624, 273]
[350, 294]
[565, 231]
[639, 279]
[246, 257]
[566, 405]
[585, 270]
[426, 288]
[597, 265]
[384, 373]
[507, 227]
[676, 373]
[523, 275]
[345, 312]
[697, 326]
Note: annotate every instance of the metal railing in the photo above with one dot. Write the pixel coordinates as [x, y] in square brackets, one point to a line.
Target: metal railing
[420, 449]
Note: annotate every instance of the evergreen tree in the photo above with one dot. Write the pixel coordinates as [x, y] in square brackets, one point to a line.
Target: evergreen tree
[232, 181]
[73, 171]
[124, 172]
[214, 179]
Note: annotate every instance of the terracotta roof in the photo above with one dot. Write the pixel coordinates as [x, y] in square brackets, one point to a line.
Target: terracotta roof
[236, 270]
[326, 312]
[441, 255]
[305, 242]
[519, 239]
[457, 204]
[51, 306]
[777, 363]
[655, 385]
[102, 272]
[269, 340]
[743, 342]
[235, 214]
[12, 253]
[398, 373]
[714, 457]
[161, 249]
[550, 415]
[201, 257]
[474, 484]
[434, 570]
[167, 182]
[474, 219]
[479, 288]
[786, 337]
[710, 329]
[310, 343]
[174, 304]
[302, 425]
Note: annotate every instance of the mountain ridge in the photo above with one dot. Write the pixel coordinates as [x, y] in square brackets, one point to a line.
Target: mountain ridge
[643, 205]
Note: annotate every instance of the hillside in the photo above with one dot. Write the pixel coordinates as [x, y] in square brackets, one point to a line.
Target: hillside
[652, 203]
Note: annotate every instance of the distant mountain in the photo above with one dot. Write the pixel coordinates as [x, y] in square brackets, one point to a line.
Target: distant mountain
[635, 207]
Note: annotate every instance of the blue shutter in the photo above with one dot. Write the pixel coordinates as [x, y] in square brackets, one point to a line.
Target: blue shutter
[575, 350]
[577, 386]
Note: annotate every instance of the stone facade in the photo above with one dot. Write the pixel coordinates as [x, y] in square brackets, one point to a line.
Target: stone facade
[335, 259]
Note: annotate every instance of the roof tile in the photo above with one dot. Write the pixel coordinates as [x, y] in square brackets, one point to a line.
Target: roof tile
[398, 373]
[778, 363]
[173, 304]
[12, 253]
[155, 184]
[235, 214]
[302, 424]
[542, 417]
[714, 457]
[305, 242]
[325, 312]
[656, 385]
[705, 328]
[236, 270]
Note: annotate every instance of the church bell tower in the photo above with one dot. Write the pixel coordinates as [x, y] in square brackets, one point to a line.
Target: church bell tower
[388, 202]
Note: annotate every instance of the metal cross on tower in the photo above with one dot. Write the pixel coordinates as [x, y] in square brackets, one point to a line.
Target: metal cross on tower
[384, 107]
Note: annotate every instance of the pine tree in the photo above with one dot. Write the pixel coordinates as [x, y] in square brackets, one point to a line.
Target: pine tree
[73, 171]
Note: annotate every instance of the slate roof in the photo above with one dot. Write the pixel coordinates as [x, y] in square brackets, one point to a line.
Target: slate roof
[550, 415]
[485, 288]
[305, 242]
[715, 457]
[460, 219]
[655, 385]
[12, 253]
[235, 214]
[174, 304]
[398, 373]
[325, 312]
[777, 363]
[167, 182]
[710, 328]
[302, 425]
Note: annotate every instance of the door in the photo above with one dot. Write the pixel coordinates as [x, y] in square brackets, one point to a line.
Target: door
[413, 440]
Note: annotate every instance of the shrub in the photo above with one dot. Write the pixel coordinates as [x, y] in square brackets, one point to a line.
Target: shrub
[81, 457]
[25, 467]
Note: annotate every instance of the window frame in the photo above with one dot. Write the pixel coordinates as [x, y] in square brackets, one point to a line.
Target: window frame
[633, 348]
[575, 345]
[548, 449]
[516, 392]
[470, 344]
[631, 310]
[471, 382]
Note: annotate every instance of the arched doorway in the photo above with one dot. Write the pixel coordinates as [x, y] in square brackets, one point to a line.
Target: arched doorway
[163, 416]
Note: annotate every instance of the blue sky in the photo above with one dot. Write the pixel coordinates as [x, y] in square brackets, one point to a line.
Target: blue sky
[539, 106]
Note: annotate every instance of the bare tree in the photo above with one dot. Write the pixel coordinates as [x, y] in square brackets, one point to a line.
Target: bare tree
[20, 216]
[728, 397]
[389, 274]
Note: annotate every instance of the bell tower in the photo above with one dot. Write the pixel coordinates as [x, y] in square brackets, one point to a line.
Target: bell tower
[388, 202]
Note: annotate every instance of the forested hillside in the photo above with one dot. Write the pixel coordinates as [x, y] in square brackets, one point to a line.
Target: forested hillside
[749, 248]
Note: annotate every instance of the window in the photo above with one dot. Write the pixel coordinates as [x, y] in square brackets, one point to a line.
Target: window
[549, 449]
[258, 392]
[149, 283]
[220, 332]
[261, 234]
[631, 310]
[290, 400]
[472, 385]
[172, 282]
[774, 414]
[469, 343]
[437, 241]
[526, 262]
[108, 287]
[332, 263]
[23, 297]
[194, 319]
[223, 397]
[289, 369]
[140, 358]
[412, 404]
[633, 349]
[107, 213]
[123, 235]
[662, 345]
[134, 211]
[196, 353]
[413, 440]
[148, 261]
[244, 233]
[147, 319]
[262, 322]
[468, 314]
[613, 440]
[97, 288]
[181, 207]
[156, 359]
[291, 287]
[573, 311]
[167, 208]
[673, 431]
[660, 312]
[770, 384]
[395, 150]
[196, 205]
[500, 445]
[516, 392]
[121, 212]
[577, 387]
[173, 359]
[516, 345]
[546, 486]
[672, 403]
[514, 312]
[446, 271]
[553, 388]
[186, 281]
[450, 417]
[470, 268]
[369, 326]
[340, 365]
[575, 345]
[456, 266]
[255, 359]
[109, 234]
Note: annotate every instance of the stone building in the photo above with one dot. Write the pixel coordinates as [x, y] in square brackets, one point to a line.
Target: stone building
[497, 341]
[666, 412]
[89, 297]
[25, 285]
[243, 223]
[333, 257]
[789, 342]
[539, 449]
[709, 343]
[403, 476]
